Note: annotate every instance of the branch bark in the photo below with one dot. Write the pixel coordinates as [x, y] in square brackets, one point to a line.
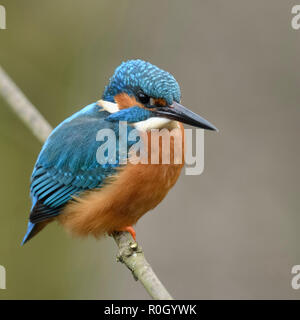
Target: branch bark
[130, 253]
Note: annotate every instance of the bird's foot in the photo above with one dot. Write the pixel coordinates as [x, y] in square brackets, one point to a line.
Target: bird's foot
[130, 230]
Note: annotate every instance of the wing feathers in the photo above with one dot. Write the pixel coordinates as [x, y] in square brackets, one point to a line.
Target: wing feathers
[67, 164]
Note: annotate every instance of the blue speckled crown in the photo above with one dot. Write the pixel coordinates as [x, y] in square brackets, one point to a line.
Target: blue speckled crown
[138, 74]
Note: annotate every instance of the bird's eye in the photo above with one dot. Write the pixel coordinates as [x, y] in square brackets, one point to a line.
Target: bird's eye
[143, 98]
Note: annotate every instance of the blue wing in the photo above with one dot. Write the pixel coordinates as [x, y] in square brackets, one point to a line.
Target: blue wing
[67, 164]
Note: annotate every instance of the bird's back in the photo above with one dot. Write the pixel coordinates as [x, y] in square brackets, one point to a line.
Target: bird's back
[67, 164]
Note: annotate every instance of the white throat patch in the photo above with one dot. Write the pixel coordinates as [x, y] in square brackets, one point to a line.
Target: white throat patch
[152, 123]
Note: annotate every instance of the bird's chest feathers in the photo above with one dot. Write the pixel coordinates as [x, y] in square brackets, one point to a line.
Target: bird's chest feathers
[134, 190]
[142, 186]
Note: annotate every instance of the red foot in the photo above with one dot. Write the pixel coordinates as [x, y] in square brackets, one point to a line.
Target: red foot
[130, 230]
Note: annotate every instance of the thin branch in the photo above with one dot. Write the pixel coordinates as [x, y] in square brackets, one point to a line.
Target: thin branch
[23, 107]
[130, 253]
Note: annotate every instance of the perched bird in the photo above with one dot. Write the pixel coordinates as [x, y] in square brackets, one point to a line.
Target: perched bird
[69, 185]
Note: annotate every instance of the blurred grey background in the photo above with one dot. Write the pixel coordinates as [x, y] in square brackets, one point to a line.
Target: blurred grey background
[232, 232]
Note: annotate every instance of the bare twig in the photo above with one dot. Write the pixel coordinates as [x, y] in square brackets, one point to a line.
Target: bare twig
[23, 107]
[130, 253]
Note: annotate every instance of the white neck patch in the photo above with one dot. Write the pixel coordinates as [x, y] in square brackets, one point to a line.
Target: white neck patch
[109, 106]
[151, 123]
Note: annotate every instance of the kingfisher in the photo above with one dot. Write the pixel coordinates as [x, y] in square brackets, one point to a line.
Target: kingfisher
[87, 197]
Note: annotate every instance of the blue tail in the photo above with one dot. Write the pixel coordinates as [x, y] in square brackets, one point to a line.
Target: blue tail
[30, 232]
[31, 226]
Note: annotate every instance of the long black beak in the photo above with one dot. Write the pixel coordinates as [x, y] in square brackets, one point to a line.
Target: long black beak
[180, 113]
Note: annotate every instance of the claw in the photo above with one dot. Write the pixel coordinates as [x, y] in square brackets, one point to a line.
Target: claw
[130, 230]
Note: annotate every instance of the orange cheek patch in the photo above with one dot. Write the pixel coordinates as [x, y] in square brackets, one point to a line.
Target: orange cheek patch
[124, 101]
[160, 102]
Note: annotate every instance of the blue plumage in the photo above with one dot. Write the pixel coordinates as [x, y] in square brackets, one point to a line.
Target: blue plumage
[133, 75]
[67, 164]
[133, 114]
[29, 231]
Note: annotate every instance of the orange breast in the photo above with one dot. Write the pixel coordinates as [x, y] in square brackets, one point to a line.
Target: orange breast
[136, 189]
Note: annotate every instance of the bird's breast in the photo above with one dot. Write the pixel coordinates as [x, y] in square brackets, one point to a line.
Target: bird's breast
[125, 197]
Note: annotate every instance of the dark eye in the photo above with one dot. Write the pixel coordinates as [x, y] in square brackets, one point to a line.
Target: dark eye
[143, 98]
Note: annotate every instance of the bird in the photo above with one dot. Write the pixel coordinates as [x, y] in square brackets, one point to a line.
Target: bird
[89, 198]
